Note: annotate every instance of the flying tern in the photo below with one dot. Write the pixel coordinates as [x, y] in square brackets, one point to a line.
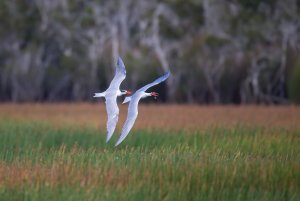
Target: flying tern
[133, 105]
[111, 95]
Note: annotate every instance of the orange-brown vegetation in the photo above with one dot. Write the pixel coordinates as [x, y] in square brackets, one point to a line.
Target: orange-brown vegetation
[16, 174]
[155, 116]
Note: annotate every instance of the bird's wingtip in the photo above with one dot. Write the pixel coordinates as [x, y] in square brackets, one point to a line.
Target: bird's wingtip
[109, 135]
[117, 144]
[120, 61]
[120, 140]
[121, 65]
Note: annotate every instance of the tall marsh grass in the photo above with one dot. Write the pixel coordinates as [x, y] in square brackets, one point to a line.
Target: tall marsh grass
[41, 162]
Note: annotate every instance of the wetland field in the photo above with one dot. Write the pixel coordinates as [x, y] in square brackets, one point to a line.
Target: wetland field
[174, 152]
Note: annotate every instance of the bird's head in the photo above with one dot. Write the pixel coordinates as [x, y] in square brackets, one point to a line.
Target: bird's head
[154, 94]
[126, 92]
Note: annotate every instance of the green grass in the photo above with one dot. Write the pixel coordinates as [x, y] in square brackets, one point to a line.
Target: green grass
[40, 162]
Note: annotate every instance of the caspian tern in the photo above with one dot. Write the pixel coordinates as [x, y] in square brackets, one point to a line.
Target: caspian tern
[133, 105]
[111, 95]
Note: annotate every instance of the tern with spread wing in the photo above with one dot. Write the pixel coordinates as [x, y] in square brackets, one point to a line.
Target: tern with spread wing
[111, 95]
[133, 105]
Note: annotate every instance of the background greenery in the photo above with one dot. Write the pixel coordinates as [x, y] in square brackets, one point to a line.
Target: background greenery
[237, 51]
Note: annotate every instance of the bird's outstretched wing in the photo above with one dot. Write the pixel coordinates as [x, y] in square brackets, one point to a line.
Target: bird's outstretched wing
[112, 110]
[133, 107]
[120, 75]
[131, 117]
[155, 82]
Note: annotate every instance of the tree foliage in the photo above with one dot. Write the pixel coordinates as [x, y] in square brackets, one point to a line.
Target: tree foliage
[234, 51]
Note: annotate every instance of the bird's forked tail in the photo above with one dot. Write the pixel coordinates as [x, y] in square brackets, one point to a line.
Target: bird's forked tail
[98, 95]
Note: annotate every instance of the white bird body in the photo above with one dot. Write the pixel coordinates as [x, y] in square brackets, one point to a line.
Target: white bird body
[133, 105]
[108, 93]
[111, 95]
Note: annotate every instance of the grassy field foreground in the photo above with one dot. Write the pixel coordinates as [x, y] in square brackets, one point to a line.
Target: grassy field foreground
[40, 161]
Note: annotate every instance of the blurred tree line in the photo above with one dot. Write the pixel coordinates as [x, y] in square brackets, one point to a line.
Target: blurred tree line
[233, 51]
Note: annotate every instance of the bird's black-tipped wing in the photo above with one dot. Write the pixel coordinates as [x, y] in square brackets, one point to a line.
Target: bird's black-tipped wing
[155, 82]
